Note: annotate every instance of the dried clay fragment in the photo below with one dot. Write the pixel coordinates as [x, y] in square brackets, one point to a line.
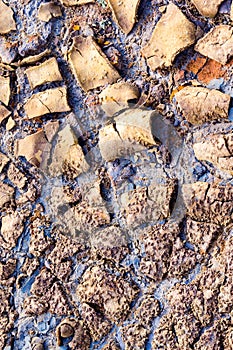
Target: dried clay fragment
[130, 133]
[90, 66]
[6, 194]
[48, 10]
[199, 105]
[217, 149]
[217, 44]
[5, 91]
[48, 101]
[35, 148]
[68, 155]
[117, 97]
[45, 72]
[76, 2]
[4, 113]
[208, 8]
[172, 34]
[7, 22]
[125, 13]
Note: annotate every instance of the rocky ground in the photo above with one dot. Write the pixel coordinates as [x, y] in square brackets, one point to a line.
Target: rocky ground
[116, 161]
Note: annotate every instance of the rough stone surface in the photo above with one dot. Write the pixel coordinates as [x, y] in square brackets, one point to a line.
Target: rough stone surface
[207, 8]
[7, 22]
[124, 13]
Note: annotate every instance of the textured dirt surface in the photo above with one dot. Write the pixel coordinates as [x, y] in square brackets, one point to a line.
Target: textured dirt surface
[116, 163]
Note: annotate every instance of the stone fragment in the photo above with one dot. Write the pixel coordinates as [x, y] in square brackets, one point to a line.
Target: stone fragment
[8, 51]
[35, 148]
[12, 228]
[117, 97]
[51, 129]
[207, 8]
[48, 101]
[147, 204]
[90, 66]
[34, 58]
[4, 113]
[76, 2]
[217, 44]
[200, 105]
[16, 176]
[217, 149]
[48, 10]
[7, 22]
[68, 156]
[6, 194]
[111, 293]
[124, 13]
[231, 14]
[130, 133]
[4, 160]
[172, 34]
[10, 124]
[209, 202]
[46, 72]
[135, 336]
[5, 90]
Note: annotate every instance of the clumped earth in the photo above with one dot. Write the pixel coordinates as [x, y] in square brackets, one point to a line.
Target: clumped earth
[116, 164]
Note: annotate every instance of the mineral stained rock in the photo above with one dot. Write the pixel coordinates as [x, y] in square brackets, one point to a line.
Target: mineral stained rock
[90, 65]
[217, 44]
[172, 34]
[124, 13]
[199, 105]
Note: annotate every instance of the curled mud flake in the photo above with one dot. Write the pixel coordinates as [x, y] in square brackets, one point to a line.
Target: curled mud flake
[6, 194]
[207, 8]
[216, 149]
[48, 101]
[4, 160]
[117, 97]
[200, 105]
[124, 13]
[201, 234]
[76, 2]
[98, 325]
[130, 133]
[109, 243]
[16, 176]
[35, 148]
[5, 91]
[217, 44]
[68, 157]
[209, 202]
[12, 228]
[49, 10]
[7, 22]
[35, 58]
[147, 204]
[89, 64]
[111, 294]
[4, 113]
[46, 72]
[172, 34]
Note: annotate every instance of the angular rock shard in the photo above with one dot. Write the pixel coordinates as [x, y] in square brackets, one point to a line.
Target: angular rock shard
[172, 34]
[76, 2]
[48, 10]
[5, 90]
[48, 101]
[46, 72]
[217, 44]
[216, 149]
[208, 8]
[4, 160]
[7, 22]
[4, 113]
[124, 13]
[199, 105]
[90, 66]
[35, 148]
[117, 97]
[130, 133]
